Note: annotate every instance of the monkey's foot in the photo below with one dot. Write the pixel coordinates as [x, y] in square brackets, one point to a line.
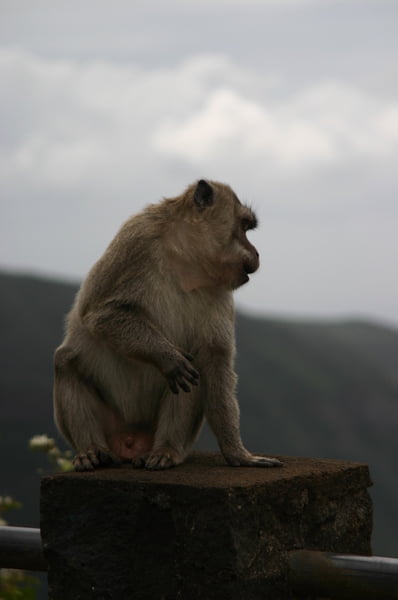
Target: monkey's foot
[250, 460]
[95, 458]
[163, 458]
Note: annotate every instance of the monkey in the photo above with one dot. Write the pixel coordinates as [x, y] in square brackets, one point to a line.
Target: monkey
[149, 344]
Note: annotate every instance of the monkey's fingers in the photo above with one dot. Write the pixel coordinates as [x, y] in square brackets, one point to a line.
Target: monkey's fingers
[185, 377]
[192, 372]
[177, 382]
[172, 384]
[190, 375]
[180, 377]
[182, 383]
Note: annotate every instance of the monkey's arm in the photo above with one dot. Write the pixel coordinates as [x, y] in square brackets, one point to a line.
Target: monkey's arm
[222, 411]
[128, 330]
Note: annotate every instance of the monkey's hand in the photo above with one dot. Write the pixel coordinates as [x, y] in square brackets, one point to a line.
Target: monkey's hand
[250, 460]
[179, 372]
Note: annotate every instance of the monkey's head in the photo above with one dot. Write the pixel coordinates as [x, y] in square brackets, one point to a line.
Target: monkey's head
[209, 238]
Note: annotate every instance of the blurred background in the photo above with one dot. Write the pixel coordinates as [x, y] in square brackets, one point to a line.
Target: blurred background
[107, 107]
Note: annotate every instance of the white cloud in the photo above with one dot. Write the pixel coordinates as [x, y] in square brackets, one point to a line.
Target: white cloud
[65, 121]
[329, 123]
[85, 144]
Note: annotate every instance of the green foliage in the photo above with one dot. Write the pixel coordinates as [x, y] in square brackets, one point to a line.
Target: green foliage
[14, 583]
[60, 459]
[17, 585]
[7, 503]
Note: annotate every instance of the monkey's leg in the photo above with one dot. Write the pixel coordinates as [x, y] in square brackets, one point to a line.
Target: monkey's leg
[179, 423]
[222, 413]
[80, 414]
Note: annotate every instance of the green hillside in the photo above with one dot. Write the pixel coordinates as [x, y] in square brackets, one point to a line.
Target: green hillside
[306, 388]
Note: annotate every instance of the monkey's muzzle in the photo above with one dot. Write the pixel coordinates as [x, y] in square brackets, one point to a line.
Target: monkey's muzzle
[247, 269]
[250, 268]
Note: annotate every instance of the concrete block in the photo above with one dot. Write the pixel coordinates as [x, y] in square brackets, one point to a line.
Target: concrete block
[201, 531]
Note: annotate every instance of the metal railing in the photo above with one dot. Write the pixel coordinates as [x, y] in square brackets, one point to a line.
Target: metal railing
[343, 576]
[311, 573]
[21, 548]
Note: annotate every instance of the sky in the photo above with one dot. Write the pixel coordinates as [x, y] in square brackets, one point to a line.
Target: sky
[106, 107]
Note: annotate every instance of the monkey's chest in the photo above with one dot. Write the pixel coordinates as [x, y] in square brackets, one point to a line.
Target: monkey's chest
[196, 319]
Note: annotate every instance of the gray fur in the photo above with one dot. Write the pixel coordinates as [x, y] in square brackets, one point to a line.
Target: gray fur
[162, 289]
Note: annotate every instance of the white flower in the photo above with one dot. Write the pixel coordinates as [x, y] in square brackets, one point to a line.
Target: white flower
[41, 442]
[6, 501]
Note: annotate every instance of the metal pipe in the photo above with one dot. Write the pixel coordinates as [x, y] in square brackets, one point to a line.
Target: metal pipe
[343, 576]
[21, 548]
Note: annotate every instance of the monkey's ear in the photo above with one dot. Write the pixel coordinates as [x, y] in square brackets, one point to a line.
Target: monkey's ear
[203, 195]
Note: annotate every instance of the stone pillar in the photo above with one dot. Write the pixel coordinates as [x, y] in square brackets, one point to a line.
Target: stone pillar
[201, 531]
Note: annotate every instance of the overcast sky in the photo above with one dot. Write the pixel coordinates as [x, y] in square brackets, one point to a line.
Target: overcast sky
[108, 106]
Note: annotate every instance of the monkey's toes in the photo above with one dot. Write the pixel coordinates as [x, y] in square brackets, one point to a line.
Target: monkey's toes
[139, 461]
[94, 458]
[162, 459]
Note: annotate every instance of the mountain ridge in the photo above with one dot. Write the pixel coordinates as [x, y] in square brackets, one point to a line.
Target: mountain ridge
[308, 388]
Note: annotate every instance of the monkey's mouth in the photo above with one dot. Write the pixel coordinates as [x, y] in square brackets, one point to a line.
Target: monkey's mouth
[246, 270]
[243, 277]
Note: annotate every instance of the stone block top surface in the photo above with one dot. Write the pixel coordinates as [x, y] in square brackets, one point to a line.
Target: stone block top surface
[209, 470]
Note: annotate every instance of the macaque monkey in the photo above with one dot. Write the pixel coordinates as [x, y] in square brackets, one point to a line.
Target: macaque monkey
[149, 345]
